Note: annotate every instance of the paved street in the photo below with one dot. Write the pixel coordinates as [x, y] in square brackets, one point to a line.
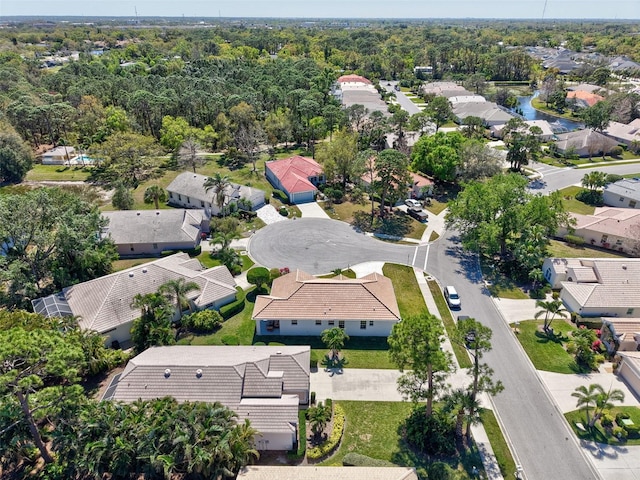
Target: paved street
[401, 98]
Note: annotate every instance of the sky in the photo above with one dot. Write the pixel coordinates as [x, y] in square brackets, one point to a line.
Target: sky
[533, 9]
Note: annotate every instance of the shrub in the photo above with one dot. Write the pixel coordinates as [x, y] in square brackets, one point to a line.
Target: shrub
[333, 441]
[620, 433]
[276, 344]
[302, 433]
[230, 309]
[230, 340]
[274, 273]
[612, 177]
[329, 404]
[259, 276]
[313, 398]
[260, 344]
[440, 471]
[606, 420]
[280, 195]
[313, 360]
[632, 430]
[204, 321]
[621, 416]
[616, 151]
[358, 460]
[283, 211]
[574, 240]
[434, 435]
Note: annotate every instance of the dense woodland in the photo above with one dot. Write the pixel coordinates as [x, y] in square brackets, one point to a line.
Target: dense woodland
[145, 98]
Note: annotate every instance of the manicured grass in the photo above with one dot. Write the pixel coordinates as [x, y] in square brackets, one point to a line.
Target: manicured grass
[498, 444]
[547, 352]
[436, 207]
[558, 248]
[449, 324]
[373, 429]
[347, 273]
[598, 434]
[247, 263]
[119, 265]
[207, 261]
[57, 173]
[501, 286]
[571, 204]
[346, 211]
[405, 285]
[434, 236]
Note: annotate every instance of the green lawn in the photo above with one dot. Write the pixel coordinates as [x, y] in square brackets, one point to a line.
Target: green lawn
[405, 285]
[598, 434]
[500, 285]
[57, 173]
[548, 353]
[449, 324]
[119, 265]
[558, 248]
[436, 207]
[373, 429]
[498, 444]
[434, 236]
[571, 204]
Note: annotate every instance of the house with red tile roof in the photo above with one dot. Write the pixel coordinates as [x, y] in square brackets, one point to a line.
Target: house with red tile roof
[301, 304]
[298, 177]
[584, 99]
[354, 79]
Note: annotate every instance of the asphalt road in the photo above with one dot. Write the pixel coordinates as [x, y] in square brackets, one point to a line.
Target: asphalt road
[320, 246]
[543, 443]
[401, 98]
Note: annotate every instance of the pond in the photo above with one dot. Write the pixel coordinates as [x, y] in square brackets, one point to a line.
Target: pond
[558, 124]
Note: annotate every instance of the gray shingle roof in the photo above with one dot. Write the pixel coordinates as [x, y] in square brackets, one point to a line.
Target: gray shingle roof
[154, 226]
[626, 187]
[104, 303]
[192, 185]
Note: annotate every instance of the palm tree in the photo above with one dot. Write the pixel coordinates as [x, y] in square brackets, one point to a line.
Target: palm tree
[604, 401]
[155, 194]
[334, 339]
[466, 407]
[550, 309]
[219, 185]
[178, 290]
[241, 447]
[594, 180]
[587, 396]
[318, 418]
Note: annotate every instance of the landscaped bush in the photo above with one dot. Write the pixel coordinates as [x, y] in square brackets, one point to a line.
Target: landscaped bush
[620, 433]
[283, 211]
[204, 321]
[312, 400]
[280, 195]
[358, 460]
[313, 360]
[574, 240]
[229, 310]
[616, 151]
[622, 416]
[274, 273]
[259, 344]
[590, 197]
[259, 276]
[230, 340]
[606, 420]
[434, 435]
[584, 347]
[302, 433]
[333, 441]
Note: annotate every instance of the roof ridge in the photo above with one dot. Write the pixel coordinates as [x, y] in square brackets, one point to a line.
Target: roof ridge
[380, 301]
[105, 297]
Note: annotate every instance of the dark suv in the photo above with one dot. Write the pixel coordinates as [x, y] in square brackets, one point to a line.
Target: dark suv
[418, 214]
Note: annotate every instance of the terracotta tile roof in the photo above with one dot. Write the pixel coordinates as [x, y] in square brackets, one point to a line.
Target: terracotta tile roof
[354, 79]
[301, 296]
[586, 97]
[420, 181]
[294, 173]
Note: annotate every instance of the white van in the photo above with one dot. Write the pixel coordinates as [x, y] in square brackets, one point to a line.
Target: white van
[452, 297]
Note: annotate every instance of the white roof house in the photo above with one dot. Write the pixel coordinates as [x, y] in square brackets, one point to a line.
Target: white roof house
[262, 384]
[546, 135]
[624, 193]
[596, 287]
[585, 143]
[624, 133]
[187, 191]
[629, 370]
[489, 112]
[104, 304]
[58, 155]
[151, 232]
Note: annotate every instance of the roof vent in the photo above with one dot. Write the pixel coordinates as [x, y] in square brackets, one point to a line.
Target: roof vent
[278, 352]
[157, 212]
[167, 373]
[130, 274]
[624, 267]
[144, 270]
[199, 372]
[138, 213]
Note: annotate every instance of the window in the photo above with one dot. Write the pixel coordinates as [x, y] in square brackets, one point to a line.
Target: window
[318, 322]
[363, 324]
[630, 311]
[632, 204]
[201, 203]
[622, 199]
[179, 197]
[170, 195]
[332, 322]
[155, 246]
[341, 324]
[294, 322]
[371, 323]
[604, 238]
[188, 200]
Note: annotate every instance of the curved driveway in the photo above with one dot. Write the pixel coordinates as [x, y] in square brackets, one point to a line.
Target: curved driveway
[319, 246]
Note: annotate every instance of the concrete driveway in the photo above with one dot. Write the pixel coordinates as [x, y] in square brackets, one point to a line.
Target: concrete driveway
[312, 210]
[320, 246]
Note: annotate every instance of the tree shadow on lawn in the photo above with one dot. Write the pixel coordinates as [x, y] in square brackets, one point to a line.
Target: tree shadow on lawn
[551, 336]
[465, 456]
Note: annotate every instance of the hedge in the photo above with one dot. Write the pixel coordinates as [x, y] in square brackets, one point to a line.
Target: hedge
[574, 240]
[229, 310]
[358, 460]
[302, 432]
[330, 445]
[280, 195]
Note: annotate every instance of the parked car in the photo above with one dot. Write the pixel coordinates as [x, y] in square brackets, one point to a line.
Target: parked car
[452, 297]
[418, 214]
[411, 203]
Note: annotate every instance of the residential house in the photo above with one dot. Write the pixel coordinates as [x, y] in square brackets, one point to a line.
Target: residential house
[596, 287]
[260, 472]
[187, 191]
[421, 186]
[629, 370]
[301, 304]
[614, 228]
[587, 87]
[584, 143]
[583, 99]
[298, 177]
[105, 304]
[624, 133]
[264, 385]
[445, 89]
[624, 193]
[358, 90]
[151, 232]
[624, 65]
[410, 139]
[620, 334]
[490, 113]
[58, 155]
[546, 135]
[562, 61]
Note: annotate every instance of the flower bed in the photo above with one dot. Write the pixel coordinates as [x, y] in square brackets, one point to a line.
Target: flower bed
[316, 453]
